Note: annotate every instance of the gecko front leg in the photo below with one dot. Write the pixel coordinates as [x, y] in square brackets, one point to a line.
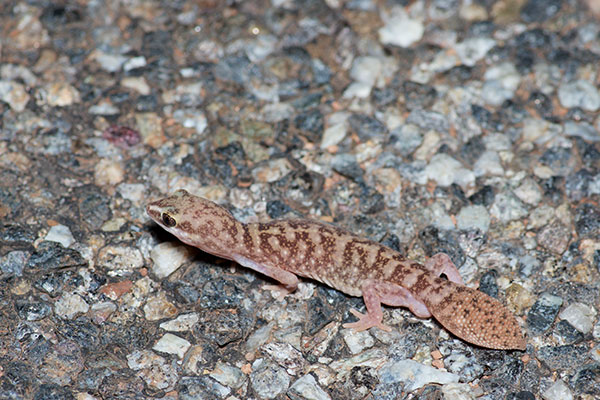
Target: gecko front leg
[376, 293]
[286, 278]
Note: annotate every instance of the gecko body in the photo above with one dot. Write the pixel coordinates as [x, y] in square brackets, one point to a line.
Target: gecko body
[285, 249]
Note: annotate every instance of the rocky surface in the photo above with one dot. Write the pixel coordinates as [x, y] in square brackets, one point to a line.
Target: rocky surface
[468, 127]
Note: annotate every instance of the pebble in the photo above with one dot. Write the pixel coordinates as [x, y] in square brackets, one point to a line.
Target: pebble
[108, 173]
[268, 379]
[337, 129]
[473, 217]
[172, 344]
[100, 312]
[167, 257]
[400, 30]
[445, 170]
[153, 369]
[14, 94]
[555, 237]
[105, 108]
[228, 375]
[120, 258]
[134, 63]
[500, 83]
[132, 191]
[191, 119]
[583, 130]
[137, 83]
[406, 138]
[473, 49]
[357, 341]
[108, 62]
[204, 387]
[543, 312]
[488, 165]
[12, 263]
[61, 94]
[308, 388]
[507, 207]
[70, 305]
[529, 192]
[580, 316]
[579, 93]
[558, 391]
[61, 234]
[287, 356]
[158, 307]
[182, 323]
[272, 171]
[413, 375]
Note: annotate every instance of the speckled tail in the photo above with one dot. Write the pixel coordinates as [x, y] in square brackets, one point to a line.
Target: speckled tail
[474, 316]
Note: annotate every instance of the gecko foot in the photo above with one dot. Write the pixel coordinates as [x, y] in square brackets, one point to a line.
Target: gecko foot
[365, 321]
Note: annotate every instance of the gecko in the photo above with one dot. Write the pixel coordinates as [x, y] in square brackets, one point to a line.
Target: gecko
[287, 248]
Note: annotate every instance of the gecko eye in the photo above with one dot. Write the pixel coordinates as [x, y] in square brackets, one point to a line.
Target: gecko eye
[168, 220]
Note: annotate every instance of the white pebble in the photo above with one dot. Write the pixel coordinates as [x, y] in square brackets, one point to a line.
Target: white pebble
[172, 344]
[168, 257]
[580, 316]
[61, 234]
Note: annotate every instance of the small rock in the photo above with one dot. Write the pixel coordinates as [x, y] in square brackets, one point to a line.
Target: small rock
[153, 369]
[268, 379]
[555, 237]
[158, 307]
[137, 83]
[579, 93]
[100, 312]
[182, 323]
[400, 29]
[473, 217]
[150, 127]
[500, 84]
[507, 207]
[543, 312]
[108, 173]
[474, 49]
[108, 62]
[70, 305]
[445, 170]
[529, 192]
[105, 108]
[120, 258]
[413, 375]
[228, 375]
[172, 344]
[308, 388]
[580, 316]
[357, 341]
[286, 356]
[558, 391]
[132, 191]
[190, 118]
[272, 171]
[61, 234]
[14, 94]
[134, 63]
[169, 256]
[61, 94]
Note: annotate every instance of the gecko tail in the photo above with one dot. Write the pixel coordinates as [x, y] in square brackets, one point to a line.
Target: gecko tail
[477, 318]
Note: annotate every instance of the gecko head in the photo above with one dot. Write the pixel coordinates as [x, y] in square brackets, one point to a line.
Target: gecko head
[196, 221]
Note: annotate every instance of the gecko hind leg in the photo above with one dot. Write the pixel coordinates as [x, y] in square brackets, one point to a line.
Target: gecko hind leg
[440, 264]
[376, 293]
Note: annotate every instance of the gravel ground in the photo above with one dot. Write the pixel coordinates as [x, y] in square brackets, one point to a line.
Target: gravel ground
[467, 127]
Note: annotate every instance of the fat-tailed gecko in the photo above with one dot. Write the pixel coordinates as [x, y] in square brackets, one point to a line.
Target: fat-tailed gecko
[283, 249]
